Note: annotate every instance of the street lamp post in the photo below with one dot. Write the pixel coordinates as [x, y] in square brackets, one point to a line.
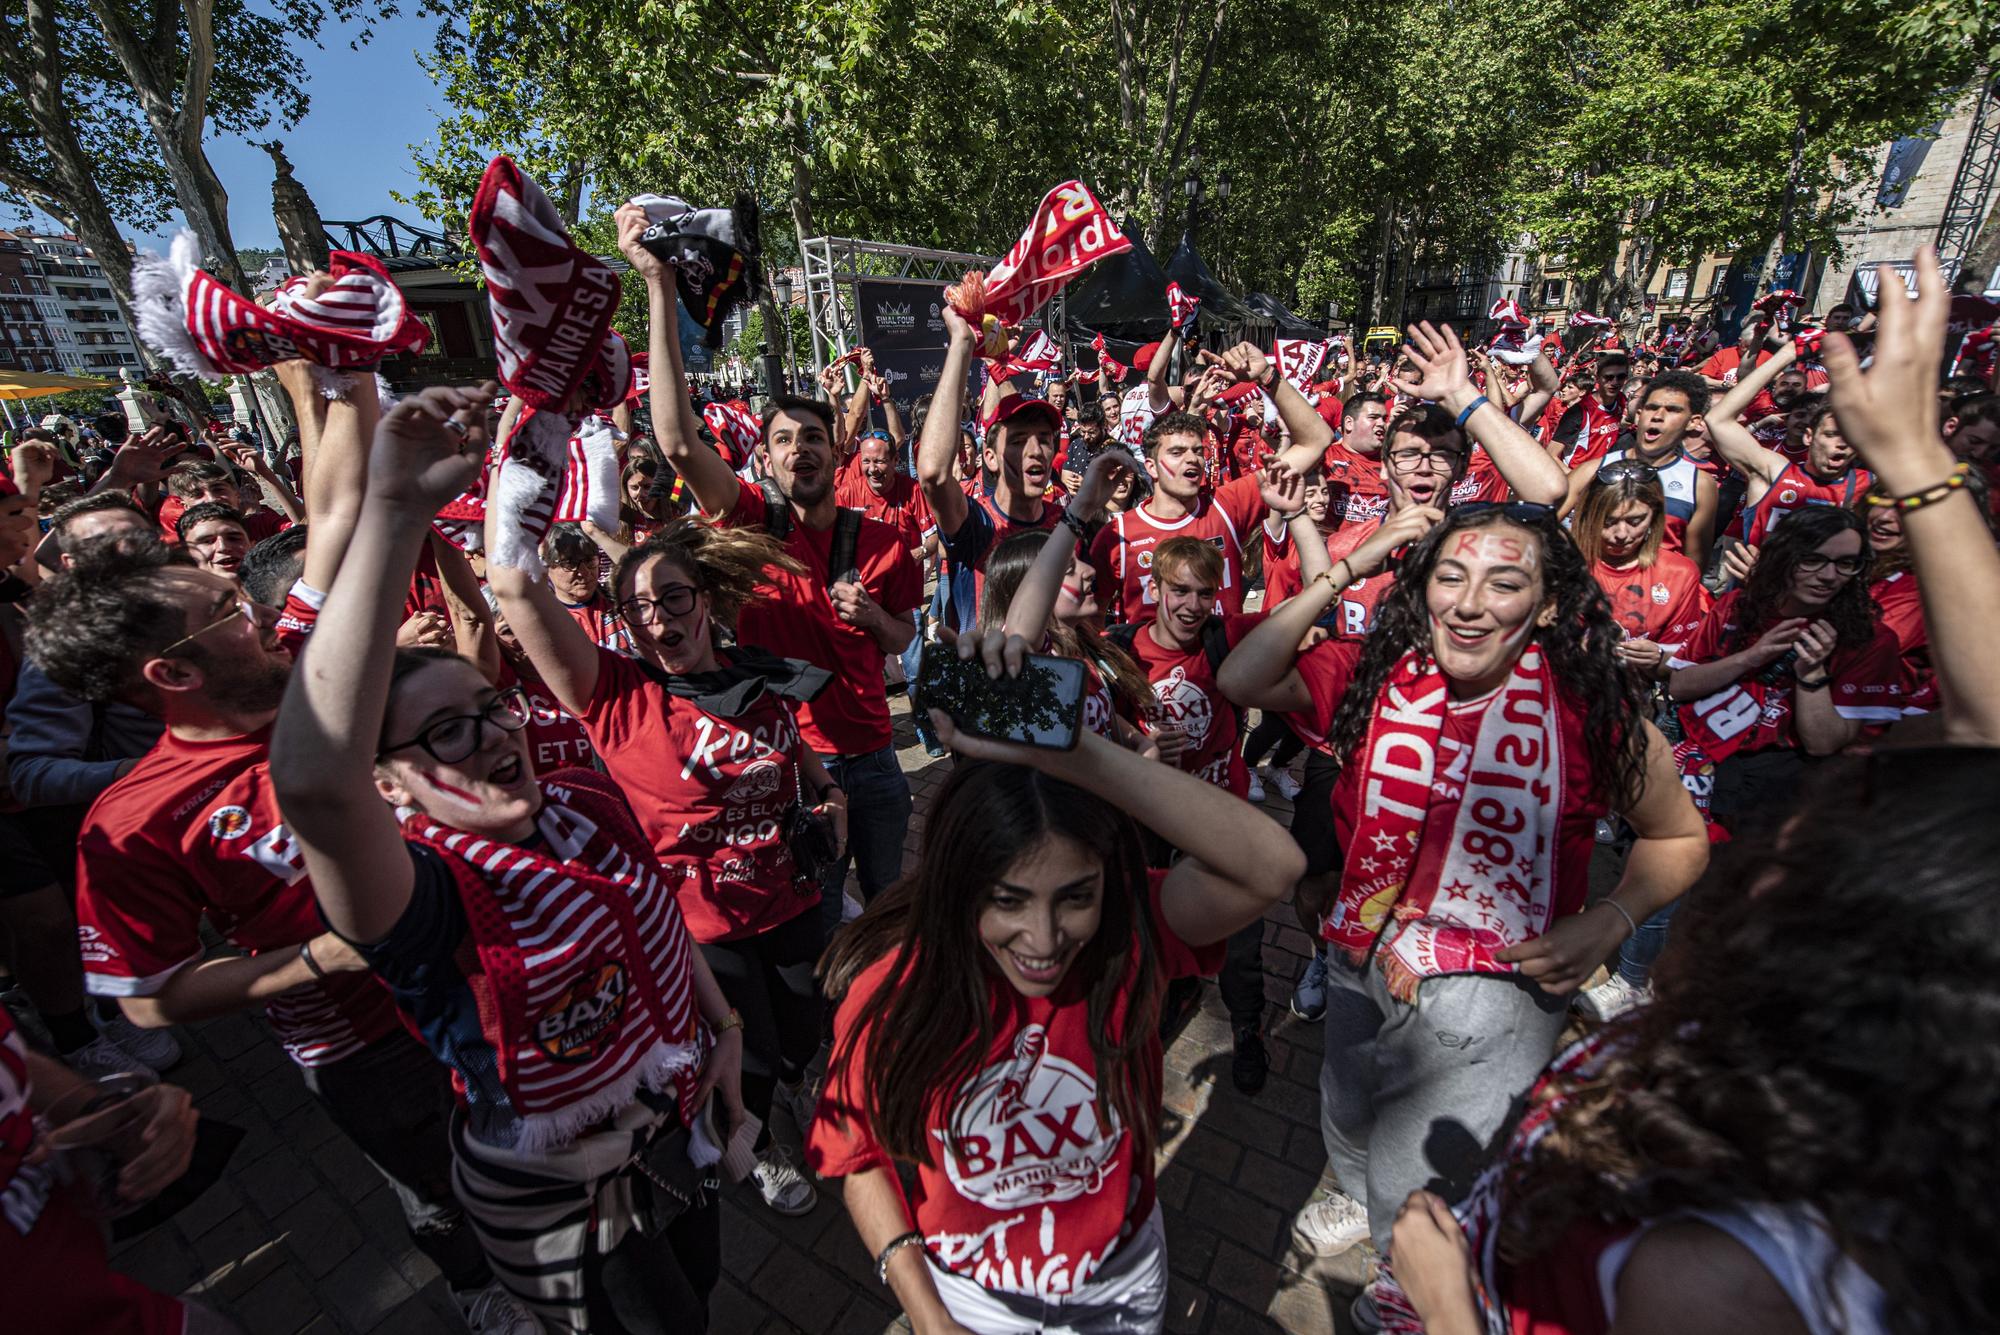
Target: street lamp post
[781, 290]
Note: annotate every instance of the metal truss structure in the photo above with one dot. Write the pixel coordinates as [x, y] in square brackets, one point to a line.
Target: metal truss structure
[833, 264]
[389, 238]
[1972, 188]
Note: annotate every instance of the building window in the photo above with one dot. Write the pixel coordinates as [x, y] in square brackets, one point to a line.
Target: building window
[1552, 292]
[1719, 279]
[1677, 284]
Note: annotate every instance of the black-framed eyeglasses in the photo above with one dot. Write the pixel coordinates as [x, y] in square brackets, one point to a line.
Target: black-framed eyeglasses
[1846, 566]
[450, 740]
[1522, 512]
[238, 607]
[675, 600]
[1409, 461]
[1628, 470]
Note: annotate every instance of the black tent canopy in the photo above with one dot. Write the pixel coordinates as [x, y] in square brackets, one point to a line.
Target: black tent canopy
[1267, 309]
[1219, 306]
[1124, 298]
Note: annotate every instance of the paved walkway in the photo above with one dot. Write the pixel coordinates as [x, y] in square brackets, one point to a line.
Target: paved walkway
[303, 1235]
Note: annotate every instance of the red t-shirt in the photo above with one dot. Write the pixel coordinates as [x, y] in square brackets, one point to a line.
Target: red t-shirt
[601, 622]
[556, 738]
[1724, 365]
[794, 617]
[259, 524]
[1796, 489]
[1903, 617]
[710, 793]
[1328, 668]
[1028, 1189]
[1185, 696]
[1755, 712]
[902, 507]
[1482, 480]
[1663, 602]
[1359, 494]
[194, 831]
[1353, 614]
[1122, 553]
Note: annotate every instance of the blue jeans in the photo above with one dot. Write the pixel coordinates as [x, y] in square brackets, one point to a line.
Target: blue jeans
[878, 820]
[1643, 947]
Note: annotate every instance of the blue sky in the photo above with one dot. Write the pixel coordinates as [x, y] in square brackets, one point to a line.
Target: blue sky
[352, 148]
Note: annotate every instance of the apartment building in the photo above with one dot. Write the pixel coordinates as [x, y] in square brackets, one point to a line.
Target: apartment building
[57, 312]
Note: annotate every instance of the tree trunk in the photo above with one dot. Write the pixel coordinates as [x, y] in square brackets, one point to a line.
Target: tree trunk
[206, 205]
[1379, 291]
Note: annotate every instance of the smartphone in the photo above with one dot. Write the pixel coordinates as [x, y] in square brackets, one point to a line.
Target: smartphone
[1041, 707]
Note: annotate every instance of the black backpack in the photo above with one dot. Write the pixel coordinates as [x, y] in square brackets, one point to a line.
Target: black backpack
[840, 565]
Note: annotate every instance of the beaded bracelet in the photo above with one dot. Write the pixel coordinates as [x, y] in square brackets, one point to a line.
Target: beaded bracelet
[1917, 500]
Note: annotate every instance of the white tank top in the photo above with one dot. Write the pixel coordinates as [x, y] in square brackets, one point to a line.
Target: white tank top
[1792, 1242]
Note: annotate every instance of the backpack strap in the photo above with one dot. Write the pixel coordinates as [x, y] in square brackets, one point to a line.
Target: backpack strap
[777, 510]
[841, 564]
[1124, 634]
[1215, 647]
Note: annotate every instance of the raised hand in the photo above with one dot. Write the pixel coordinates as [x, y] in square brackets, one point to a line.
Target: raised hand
[1100, 482]
[1890, 411]
[632, 224]
[144, 458]
[1399, 530]
[33, 464]
[430, 447]
[1245, 361]
[1281, 490]
[1438, 364]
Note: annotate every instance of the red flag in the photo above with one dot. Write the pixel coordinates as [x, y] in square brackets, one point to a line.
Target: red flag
[1181, 307]
[1105, 361]
[1069, 232]
[1299, 360]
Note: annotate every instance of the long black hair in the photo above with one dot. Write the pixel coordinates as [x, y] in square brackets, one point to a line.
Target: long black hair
[1580, 644]
[928, 1029]
[1800, 534]
[1825, 1031]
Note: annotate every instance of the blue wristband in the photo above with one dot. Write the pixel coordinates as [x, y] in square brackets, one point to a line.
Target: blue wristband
[1472, 408]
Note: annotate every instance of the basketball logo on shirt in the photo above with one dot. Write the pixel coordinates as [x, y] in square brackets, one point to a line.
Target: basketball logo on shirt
[1026, 1132]
[579, 1021]
[1660, 594]
[229, 822]
[1184, 705]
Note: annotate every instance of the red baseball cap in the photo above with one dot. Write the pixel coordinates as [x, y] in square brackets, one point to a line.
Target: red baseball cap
[1142, 360]
[1014, 405]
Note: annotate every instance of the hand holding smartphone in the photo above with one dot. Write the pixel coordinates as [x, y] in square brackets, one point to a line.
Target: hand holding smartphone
[1042, 706]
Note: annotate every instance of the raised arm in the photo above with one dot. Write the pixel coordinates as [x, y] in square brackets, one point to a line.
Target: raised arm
[559, 648]
[472, 630]
[324, 744]
[1443, 376]
[938, 445]
[1158, 393]
[1239, 861]
[855, 418]
[1731, 439]
[1309, 432]
[251, 460]
[1890, 413]
[707, 474]
[1542, 385]
[336, 473]
[1034, 603]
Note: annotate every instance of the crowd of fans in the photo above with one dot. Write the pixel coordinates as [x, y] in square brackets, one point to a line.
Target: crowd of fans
[1635, 714]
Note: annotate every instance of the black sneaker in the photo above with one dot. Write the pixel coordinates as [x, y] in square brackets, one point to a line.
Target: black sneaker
[1252, 1063]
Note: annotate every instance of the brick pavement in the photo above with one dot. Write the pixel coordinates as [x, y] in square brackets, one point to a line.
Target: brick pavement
[303, 1236]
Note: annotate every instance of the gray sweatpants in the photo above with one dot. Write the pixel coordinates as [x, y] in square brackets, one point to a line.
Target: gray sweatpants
[1413, 1095]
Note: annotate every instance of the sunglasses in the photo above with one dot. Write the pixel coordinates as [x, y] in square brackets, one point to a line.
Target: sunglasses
[1628, 470]
[450, 740]
[675, 600]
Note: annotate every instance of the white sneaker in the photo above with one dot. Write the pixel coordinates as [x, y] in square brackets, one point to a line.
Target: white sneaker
[1256, 793]
[1612, 998]
[1282, 780]
[155, 1047]
[494, 1311]
[1331, 1225]
[101, 1057]
[781, 1184]
[801, 1101]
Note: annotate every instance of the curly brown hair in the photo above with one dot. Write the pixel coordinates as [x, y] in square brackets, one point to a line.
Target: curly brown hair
[1823, 1033]
[728, 564]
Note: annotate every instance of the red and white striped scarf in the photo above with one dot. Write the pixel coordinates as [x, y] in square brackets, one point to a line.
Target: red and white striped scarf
[552, 304]
[1069, 232]
[1496, 885]
[1299, 360]
[736, 427]
[584, 974]
[204, 328]
[1106, 362]
[1181, 307]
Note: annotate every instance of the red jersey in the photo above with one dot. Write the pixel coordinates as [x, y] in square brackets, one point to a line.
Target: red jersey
[1359, 494]
[1796, 488]
[194, 831]
[710, 793]
[902, 507]
[1028, 1188]
[602, 623]
[1353, 613]
[1328, 668]
[793, 616]
[1482, 481]
[1903, 617]
[1185, 697]
[1754, 713]
[1724, 365]
[1663, 602]
[1122, 553]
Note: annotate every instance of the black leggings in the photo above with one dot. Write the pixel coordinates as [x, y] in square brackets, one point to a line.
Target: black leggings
[1272, 731]
[769, 979]
[659, 1285]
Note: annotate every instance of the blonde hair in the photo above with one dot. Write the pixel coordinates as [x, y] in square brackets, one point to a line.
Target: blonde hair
[1602, 500]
